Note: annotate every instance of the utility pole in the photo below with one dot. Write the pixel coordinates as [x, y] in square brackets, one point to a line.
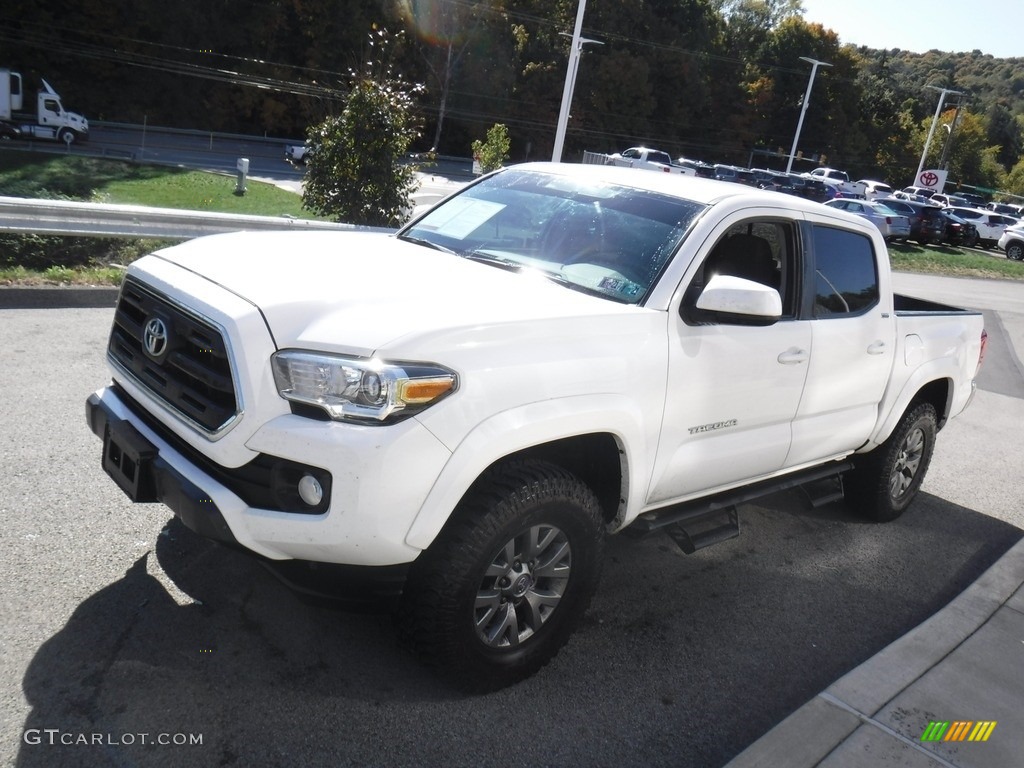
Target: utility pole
[570, 82]
[803, 110]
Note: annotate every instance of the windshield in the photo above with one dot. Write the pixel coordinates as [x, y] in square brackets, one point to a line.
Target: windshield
[592, 236]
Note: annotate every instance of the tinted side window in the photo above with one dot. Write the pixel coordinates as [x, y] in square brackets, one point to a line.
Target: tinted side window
[846, 277]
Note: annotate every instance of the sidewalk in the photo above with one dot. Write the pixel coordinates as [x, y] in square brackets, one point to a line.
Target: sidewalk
[966, 663]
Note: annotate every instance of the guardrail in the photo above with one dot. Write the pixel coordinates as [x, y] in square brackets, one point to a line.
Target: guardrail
[62, 217]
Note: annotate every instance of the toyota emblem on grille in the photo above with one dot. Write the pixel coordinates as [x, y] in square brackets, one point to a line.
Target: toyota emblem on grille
[155, 337]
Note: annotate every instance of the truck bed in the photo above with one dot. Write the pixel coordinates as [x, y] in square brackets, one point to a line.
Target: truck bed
[911, 305]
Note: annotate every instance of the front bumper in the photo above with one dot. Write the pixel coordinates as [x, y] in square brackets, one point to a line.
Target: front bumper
[135, 464]
[137, 467]
[354, 550]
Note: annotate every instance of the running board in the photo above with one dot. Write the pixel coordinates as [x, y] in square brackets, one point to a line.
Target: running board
[704, 529]
[700, 523]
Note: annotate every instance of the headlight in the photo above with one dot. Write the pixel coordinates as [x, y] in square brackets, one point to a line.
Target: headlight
[350, 388]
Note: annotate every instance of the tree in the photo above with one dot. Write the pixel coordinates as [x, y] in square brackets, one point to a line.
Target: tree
[971, 160]
[445, 31]
[356, 170]
[493, 152]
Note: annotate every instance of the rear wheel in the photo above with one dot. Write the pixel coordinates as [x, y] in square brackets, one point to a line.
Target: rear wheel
[884, 482]
[509, 578]
[1015, 250]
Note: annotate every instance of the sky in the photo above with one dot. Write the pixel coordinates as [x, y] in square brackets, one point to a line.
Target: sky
[990, 26]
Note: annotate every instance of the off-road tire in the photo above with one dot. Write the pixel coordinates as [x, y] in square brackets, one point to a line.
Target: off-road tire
[884, 482]
[485, 607]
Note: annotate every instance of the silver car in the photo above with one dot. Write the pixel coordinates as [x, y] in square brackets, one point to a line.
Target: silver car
[892, 225]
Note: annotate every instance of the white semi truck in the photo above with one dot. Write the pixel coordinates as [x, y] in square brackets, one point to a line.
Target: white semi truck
[49, 121]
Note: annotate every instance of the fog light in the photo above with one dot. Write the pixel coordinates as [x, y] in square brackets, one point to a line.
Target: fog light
[310, 490]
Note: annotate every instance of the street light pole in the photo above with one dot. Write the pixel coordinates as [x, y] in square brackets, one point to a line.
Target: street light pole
[935, 121]
[570, 83]
[803, 110]
[950, 127]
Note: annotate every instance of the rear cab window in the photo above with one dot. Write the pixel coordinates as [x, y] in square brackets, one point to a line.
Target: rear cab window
[845, 273]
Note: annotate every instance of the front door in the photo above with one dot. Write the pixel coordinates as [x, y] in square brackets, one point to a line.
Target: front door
[733, 390]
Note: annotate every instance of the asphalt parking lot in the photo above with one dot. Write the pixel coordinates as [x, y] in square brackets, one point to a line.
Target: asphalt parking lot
[122, 629]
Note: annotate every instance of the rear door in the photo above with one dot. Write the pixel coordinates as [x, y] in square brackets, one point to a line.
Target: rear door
[852, 346]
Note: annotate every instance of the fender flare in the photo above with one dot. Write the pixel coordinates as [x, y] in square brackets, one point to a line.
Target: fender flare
[941, 370]
[527, 426]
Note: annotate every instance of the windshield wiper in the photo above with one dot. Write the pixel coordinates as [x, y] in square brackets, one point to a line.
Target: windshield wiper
[428, 244]
[560, 279]
[494, 261]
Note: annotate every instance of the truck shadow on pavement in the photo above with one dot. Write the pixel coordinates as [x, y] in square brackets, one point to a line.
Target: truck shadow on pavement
[682, 661]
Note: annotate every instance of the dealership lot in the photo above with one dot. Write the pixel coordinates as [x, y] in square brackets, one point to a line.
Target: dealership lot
[125, 636]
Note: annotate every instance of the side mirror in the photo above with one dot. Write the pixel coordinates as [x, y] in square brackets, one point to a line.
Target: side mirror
[736, 301]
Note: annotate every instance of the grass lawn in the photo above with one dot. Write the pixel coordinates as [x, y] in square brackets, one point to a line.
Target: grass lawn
[30, 174]
[955, 262]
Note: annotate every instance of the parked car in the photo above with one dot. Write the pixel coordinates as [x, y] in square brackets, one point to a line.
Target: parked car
[940, 198]
[810, 189]
[1012, 242]
[973, 200]
[702, 169]
[648, 159]
[892, 225]
[959, 231]
[777, 182]
[1004, 208]
[840, 180]
[873, 190]
[734, 174]
[990, 225]
[926, 223]
[911, 192]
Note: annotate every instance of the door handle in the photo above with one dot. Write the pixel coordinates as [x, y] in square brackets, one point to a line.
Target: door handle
[876, 348]
[793, 356]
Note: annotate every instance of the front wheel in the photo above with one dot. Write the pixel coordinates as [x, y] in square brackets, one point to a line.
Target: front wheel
[884, 481]
[508, 579]
[1015, 250]
[67, 136]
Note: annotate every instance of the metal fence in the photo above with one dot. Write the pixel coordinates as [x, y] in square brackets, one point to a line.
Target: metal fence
[61, 217]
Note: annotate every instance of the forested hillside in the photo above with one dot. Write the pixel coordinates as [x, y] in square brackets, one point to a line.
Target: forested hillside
[719, 80]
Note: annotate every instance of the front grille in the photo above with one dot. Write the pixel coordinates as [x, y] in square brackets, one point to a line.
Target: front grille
[186, 364]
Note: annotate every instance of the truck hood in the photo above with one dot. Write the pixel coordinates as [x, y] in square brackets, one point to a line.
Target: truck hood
[359, 292]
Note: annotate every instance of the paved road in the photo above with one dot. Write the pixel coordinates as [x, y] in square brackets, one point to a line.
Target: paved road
[118, 622]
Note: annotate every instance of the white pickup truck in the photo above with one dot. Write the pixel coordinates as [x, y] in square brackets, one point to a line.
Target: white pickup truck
[648, 159]
[455, 416]
[839, 180]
